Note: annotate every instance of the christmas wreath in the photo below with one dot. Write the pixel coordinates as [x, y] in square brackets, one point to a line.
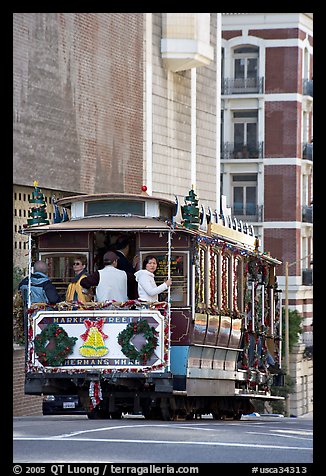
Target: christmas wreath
[145, 353]
[63, 345]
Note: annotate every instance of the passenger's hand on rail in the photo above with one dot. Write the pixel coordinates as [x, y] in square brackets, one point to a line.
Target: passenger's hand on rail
[168, 282]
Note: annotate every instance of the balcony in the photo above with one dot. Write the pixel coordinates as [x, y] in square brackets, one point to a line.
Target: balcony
[307, 151]
[248, 213]
[307, 214]
[231, 150]
[243, 86]
[307, 87]
[185, 42]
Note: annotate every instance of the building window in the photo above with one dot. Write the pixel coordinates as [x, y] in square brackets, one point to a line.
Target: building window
[245, 126]
[246, 64]
[244, 189]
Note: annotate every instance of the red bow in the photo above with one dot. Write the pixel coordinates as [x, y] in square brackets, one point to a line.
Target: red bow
[99, 324]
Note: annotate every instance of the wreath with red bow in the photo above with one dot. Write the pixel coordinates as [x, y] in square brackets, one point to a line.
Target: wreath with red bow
[63, 345]
[147, 350]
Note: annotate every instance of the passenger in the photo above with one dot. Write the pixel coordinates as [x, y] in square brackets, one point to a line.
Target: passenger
[42, 289]
[110, 282]
[75, 292]
[147, 289]
[121, 248]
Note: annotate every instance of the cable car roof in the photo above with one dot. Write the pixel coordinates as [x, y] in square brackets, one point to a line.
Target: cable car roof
[102, 223]
[112, 196]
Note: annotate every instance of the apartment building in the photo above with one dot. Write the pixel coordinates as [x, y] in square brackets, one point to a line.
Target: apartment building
[267, 140]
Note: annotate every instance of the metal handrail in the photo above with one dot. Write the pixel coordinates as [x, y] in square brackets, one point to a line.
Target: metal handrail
[243, 85]
[255, 214]
[232, 150]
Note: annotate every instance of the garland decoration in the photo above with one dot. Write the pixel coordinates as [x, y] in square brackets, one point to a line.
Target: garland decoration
[95, 394]
[63, 345]
[236, 263]
[245, 354]
[201, 272]
[18, 318]
[150, 334]
[94, 306]
[196, 262]
[212, 278]
[224, 279]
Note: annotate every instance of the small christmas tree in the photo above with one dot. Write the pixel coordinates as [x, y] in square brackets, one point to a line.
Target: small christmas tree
[37, 213]
[190, 211]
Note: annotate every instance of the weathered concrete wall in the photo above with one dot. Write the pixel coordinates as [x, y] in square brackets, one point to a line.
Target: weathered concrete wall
[78, 101]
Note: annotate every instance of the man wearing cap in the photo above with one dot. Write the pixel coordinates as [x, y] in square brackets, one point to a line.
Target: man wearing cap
[110, 282]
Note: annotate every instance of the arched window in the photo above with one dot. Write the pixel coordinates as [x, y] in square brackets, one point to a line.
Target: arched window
[246, 62]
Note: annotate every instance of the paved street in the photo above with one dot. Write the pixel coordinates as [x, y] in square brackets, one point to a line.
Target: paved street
[135, 440]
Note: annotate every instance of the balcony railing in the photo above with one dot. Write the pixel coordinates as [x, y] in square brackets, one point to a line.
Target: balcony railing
[230, 150]
[307, 214]
[307, 151]
[248, 213]
[308, 87]
[242, 86]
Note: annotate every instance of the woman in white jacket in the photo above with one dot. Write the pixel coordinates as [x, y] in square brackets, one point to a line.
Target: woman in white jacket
[147, 289]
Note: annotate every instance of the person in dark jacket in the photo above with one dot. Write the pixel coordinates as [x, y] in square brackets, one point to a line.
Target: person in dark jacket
[121, 248]
[42, 289]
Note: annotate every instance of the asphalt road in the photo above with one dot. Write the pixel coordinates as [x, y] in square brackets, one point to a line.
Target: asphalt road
[75, 439]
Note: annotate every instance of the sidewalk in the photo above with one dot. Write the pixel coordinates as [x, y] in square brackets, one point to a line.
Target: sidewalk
[308, 416]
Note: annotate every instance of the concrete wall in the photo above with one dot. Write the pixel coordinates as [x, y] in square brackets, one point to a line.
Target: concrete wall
[78, 101]
[301, 370]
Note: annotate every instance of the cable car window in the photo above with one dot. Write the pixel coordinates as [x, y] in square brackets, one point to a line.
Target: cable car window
[60, 268]
[179, 275]
[115, 207]
[165, 212]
